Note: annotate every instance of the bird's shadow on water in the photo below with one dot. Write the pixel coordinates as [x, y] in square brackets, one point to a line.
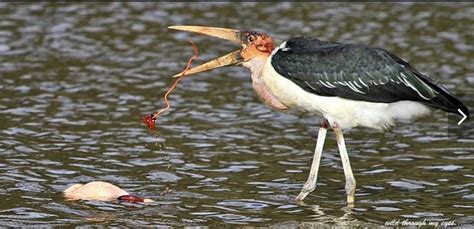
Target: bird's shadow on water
[321, 217]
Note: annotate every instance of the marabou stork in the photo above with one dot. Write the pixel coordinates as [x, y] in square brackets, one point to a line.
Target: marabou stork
[348, 85]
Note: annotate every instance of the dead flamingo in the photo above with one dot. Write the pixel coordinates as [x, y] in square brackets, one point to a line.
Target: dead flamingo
[99, 190]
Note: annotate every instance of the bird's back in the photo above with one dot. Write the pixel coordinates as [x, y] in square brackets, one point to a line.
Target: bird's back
[358, 72]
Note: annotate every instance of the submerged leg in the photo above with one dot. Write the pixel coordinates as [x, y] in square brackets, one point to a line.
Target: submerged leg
[350, 181]
[310, 184]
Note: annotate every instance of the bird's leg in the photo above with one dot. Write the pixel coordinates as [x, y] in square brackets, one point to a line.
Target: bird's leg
[350, 181]
[310, 184]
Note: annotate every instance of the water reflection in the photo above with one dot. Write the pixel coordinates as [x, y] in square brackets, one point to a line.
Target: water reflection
[76, 78]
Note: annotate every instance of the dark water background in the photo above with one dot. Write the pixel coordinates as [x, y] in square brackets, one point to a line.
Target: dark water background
[75, 80]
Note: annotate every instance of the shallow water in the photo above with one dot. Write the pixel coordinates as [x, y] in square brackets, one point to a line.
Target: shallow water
[75, 80]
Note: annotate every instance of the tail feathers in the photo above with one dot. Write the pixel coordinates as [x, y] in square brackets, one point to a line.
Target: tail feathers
[444, 100]
[449, 103]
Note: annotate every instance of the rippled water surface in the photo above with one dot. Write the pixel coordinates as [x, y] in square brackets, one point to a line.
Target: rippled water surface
[75, 80]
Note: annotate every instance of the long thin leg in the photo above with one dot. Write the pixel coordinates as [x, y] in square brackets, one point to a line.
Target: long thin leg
[310, 184]
[350, 180]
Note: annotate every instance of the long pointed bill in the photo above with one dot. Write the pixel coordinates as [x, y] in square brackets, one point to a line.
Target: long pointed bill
[229, 59]
[222, 33]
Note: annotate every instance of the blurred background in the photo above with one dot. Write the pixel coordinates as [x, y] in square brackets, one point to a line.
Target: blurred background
[76, 78]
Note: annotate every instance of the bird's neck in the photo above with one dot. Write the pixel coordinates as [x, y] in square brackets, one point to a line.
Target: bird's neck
[256, 66]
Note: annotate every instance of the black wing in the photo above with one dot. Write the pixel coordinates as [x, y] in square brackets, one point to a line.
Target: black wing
[358, 72]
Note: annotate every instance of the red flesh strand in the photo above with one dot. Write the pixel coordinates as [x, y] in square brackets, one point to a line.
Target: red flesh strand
[131, 199]
[149, 120]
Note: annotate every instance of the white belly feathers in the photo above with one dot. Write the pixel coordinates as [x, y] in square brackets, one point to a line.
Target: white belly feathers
[338, 111]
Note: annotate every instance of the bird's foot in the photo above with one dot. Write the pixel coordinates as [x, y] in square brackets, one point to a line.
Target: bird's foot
[350, 199]
[308, 187]
[350, 190]
[302, 195]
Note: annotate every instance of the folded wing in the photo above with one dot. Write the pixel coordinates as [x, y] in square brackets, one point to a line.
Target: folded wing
[358, 72]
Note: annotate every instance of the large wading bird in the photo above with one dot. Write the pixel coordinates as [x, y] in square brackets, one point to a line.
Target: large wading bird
[348, 85]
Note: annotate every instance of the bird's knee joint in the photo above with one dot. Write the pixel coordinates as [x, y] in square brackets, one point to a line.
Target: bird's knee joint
[325, 124]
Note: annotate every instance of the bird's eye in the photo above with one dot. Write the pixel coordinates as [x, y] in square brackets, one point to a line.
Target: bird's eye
[251, 38]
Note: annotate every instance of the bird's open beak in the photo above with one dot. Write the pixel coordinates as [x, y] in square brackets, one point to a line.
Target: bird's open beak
[232, 58]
